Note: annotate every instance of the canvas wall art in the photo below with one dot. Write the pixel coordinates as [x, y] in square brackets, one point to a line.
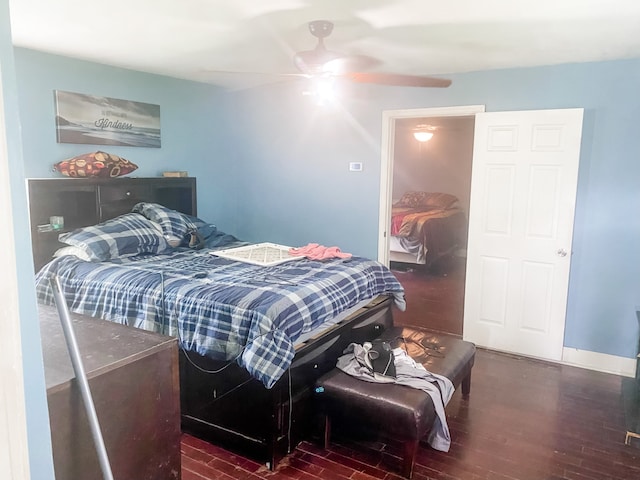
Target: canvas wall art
[97, 120]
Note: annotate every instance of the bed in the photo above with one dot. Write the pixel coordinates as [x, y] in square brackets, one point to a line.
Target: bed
[425, 227]
[253, 338]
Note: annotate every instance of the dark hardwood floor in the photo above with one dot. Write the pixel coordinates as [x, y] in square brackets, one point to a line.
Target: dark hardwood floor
[524, 420]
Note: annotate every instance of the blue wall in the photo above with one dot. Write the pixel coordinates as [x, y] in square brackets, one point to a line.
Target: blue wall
[273, 166]
[194, 125]
[298, 188]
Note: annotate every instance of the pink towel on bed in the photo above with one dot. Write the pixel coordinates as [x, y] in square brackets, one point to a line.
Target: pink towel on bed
[314, 251]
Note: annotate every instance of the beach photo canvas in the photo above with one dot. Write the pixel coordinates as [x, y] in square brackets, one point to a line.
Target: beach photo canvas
[97, 120]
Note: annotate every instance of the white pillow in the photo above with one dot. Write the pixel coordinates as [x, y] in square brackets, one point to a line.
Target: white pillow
[75, 251]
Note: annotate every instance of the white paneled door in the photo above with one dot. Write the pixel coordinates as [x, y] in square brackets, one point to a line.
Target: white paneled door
[523, 188]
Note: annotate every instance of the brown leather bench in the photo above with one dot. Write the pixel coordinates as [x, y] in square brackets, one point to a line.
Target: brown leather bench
[396, 411]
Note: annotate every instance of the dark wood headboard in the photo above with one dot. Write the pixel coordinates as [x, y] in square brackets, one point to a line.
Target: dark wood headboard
[87, 201]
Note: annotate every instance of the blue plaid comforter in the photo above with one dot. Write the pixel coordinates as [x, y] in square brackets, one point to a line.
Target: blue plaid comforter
[223, 309]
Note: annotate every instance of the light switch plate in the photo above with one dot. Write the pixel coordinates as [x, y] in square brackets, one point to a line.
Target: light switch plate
[355, 166]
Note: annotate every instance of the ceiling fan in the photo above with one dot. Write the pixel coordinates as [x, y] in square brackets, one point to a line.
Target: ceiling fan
[321, 61]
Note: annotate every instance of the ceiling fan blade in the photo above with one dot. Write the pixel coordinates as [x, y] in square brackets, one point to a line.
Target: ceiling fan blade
[242, 80]
[313, 61]
[398, 80]
[350, 63]
[245, 72]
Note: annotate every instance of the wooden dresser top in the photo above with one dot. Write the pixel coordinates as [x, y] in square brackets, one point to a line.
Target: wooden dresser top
[103, 346]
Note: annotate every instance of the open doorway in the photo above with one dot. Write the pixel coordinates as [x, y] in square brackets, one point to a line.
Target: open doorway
[424, 229]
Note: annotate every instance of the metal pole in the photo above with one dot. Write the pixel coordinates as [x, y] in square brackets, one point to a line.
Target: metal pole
[81, 377]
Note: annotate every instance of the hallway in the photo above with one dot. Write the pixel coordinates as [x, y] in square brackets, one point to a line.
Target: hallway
[435, 298]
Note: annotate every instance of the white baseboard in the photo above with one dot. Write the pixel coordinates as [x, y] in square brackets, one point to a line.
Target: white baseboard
[600, 362]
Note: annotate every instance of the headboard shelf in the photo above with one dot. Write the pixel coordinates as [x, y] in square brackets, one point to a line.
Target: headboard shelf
[87, 201]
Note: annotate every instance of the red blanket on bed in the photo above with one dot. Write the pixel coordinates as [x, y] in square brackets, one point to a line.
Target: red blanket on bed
[406, 222]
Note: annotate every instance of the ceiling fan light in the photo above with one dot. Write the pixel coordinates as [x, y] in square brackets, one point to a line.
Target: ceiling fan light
[422, 136]
[323, 89]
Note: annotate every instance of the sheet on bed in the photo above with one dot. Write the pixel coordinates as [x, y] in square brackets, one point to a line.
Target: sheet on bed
[407, 222]
[220, 308]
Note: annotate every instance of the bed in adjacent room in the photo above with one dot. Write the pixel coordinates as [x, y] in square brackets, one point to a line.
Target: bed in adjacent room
[425, 227]
[253, 337]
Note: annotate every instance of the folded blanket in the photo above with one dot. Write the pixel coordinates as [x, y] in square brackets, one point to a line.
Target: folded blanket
[314, 251]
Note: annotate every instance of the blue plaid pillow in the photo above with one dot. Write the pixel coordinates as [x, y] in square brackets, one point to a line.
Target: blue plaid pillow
[124, 236]
[175, 225]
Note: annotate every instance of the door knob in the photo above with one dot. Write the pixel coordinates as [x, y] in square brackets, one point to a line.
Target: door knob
[561, 252]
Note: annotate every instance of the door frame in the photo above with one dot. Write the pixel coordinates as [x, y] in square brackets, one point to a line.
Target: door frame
[389, 118]
[14, 463]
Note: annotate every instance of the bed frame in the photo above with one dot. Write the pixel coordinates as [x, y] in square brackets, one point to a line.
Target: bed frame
[235, 410]
[87, 201]
[229, 408]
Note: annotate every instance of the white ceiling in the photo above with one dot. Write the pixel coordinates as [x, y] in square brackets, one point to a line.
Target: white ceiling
[192, 39]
